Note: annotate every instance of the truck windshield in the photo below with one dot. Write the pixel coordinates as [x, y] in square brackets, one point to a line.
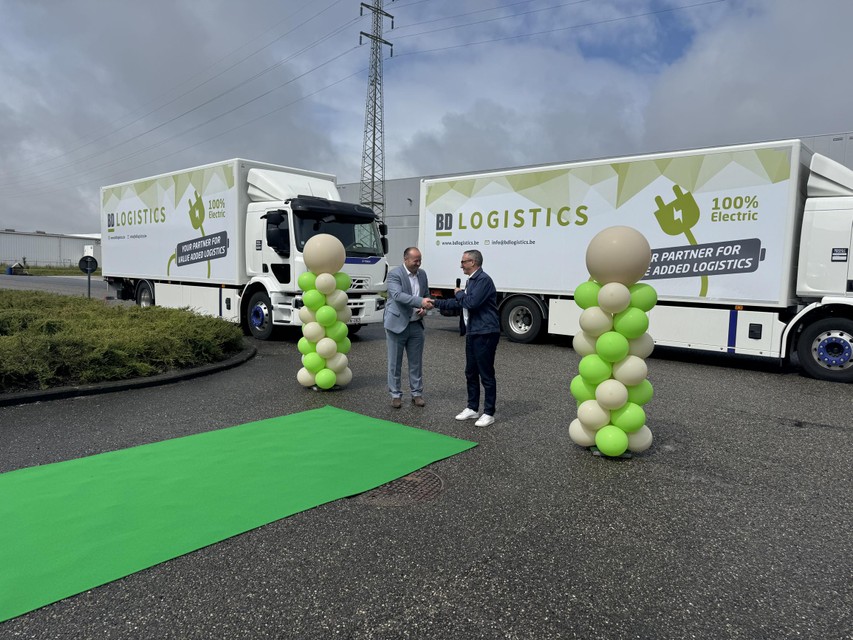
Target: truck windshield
[358, 236]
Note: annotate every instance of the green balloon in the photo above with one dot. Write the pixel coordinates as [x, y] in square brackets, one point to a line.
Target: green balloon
[630, 417]
[612, 346]
[344, 346]
[305, 346]
[641, 393]
[325, 378]
[594, 369]
[643, 296]
[342, 281]
[582, 390]
[306, 281]
[313, 299]
[327, 316]
[313, 362]
[586, 295]
[631, 323]
[337, 331]
[611, 441]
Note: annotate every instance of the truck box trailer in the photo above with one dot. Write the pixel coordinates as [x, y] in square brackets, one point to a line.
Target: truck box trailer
[750, 246]
[226, 240]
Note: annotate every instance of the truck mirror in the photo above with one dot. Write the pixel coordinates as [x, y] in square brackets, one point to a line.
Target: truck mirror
[278, 233]
[273, 218]
[385, 245]
[383, 229]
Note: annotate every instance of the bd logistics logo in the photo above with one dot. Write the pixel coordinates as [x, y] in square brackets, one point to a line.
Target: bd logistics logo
[135, 218]
[507, 219]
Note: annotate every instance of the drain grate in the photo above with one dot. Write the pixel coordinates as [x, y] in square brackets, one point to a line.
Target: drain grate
[417, 487]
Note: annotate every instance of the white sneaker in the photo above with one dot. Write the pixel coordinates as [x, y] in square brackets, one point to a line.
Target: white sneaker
[485, 420]
[468, 414]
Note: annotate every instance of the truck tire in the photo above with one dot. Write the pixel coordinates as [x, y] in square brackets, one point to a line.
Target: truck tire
[825, 349]
[521, 319]
[353, 329]
[145, 294]
[259, 316]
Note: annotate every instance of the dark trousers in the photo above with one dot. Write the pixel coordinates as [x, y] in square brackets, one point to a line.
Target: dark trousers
[480, 367]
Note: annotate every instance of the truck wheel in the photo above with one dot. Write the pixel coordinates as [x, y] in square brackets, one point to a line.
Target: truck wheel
[352, 329]
[145, 294]
[521, 319]
[825, 349]
[259, 316]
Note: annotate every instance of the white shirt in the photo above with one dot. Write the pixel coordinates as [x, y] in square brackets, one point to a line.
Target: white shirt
[416, 291]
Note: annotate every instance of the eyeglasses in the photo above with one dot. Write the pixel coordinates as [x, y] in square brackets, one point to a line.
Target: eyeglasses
[466, 261]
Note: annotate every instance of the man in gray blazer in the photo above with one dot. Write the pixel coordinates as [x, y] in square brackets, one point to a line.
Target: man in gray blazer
[408, 301]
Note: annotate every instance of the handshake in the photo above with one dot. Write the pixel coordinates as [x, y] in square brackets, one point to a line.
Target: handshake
[427, 304]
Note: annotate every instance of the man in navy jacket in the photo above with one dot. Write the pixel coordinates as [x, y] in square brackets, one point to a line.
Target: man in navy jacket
[481, 326]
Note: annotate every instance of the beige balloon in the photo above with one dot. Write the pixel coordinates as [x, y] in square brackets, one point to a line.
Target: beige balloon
[313, 331]
[581, 435]
[345, 315]
[614, 297]
[325, 283]
[641, 347]
[618, 254]
[640, 440]
[337, 362]
[337, 299]
[630, 371]
[595, 321]
[592, 415]
[326, 348]
[344, 377]
[324, 253]
[306, 315]
[584, 343]
[305, 377]
[611, 394]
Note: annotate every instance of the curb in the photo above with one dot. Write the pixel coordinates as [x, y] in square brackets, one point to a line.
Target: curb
[25, 397]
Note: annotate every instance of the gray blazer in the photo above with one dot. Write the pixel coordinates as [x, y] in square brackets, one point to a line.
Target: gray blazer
[398, 311]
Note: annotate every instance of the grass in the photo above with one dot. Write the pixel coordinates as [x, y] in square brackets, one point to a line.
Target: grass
[50, 340]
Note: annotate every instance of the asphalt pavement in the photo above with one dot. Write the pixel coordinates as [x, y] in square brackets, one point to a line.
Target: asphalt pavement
[735, 524]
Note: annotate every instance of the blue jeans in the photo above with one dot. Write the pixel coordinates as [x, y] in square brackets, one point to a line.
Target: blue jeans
[410, 340]
[480, 367]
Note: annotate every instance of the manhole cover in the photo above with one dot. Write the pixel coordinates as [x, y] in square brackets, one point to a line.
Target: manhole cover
[420, 486]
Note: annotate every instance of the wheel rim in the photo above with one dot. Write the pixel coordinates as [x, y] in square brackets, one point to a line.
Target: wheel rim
[259, 316]
[833, 350]
[520, 320]
[145, 297]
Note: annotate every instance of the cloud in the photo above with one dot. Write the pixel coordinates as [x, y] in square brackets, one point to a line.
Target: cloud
[98, 93]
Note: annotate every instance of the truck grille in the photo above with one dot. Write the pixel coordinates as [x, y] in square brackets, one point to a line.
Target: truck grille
[360, 283]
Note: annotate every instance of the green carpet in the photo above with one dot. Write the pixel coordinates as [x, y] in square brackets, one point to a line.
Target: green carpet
[71, 526]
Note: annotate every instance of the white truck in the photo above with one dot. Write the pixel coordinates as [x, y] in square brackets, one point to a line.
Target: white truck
[751, 246]
[226, 240]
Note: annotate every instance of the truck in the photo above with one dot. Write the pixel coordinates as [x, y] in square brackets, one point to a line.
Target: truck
[750, 246]
[226, 239]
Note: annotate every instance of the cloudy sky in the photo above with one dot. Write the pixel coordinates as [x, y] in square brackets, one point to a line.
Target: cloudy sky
[96, 92]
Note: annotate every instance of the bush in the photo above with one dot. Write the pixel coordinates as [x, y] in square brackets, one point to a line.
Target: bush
[49, 340]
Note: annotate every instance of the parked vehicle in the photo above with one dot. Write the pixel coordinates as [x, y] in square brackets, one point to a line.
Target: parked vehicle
[751, 246]
[226, 240]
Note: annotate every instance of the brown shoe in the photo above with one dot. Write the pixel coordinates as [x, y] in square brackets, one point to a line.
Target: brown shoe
[396, 403]
[418, 401]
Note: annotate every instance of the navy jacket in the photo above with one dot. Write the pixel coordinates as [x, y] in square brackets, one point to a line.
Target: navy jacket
[480, 298]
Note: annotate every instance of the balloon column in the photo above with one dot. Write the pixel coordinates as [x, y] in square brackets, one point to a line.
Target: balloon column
[611, 387]
[324, 342]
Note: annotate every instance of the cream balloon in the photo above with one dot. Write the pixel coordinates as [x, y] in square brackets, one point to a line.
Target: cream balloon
[641, 347]
[611, 394]
[630, 371]
[306, 315]
[595, 321]
[337, 362]
[313, 331]
[345, 315]
[337, 299]
[326, 348]
[580, 434]
[325, 283]
[324, 253]
[305, 377]
[592, 415]
[584, 343]
[344, 377]
[614, 297]
[640, 440]
[618, 254]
